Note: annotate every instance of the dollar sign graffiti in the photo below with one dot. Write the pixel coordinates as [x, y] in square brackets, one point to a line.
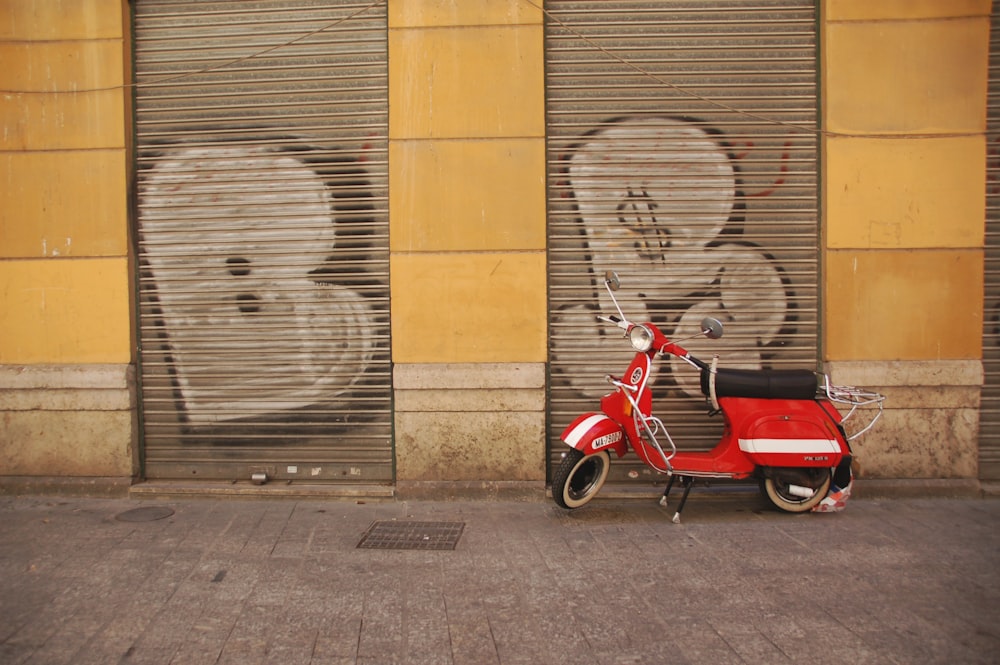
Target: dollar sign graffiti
[638, 214]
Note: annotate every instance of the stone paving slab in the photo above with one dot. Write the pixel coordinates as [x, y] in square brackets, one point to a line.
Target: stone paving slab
[257, 581]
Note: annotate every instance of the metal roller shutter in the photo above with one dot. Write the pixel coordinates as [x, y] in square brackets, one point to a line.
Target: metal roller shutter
[263, 239]
[682, 154]
[989, 415]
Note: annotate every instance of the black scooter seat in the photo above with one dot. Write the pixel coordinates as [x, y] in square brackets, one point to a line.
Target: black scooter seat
[761, 383]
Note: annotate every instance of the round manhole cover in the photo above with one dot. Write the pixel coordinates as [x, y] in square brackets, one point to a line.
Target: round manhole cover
[145, 514]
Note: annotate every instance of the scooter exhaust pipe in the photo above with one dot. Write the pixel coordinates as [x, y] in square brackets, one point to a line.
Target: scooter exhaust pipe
[801, 492]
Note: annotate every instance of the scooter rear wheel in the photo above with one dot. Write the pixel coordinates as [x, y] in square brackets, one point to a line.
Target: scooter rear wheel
[776, 491]
[579, 477]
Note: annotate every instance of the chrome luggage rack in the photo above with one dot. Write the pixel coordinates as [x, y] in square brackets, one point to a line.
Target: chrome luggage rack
[857, 399]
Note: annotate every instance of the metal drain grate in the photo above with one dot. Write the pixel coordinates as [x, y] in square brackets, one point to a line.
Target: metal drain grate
[402, 535]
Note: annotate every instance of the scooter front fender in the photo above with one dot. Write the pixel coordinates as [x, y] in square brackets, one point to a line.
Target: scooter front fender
[593, 432]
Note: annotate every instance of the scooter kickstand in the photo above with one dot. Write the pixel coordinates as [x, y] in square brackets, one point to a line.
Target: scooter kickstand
[666, 492]
[687, 482]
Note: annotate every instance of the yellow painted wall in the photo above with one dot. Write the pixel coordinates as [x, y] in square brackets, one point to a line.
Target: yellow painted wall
[467, 181]
[64, 276]
[467, 307]
[65, 272]
[904, 105]
[904, 95]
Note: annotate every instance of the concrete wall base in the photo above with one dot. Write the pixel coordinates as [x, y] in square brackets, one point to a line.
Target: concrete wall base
[99, 487]
[931, 424]
[76, 421]
[470, 422]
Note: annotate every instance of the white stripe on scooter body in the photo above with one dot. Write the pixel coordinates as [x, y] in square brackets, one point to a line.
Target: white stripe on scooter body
[593, 432]
[576, 435]
[791, 446]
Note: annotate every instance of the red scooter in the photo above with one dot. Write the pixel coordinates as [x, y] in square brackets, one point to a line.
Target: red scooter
[780, 426]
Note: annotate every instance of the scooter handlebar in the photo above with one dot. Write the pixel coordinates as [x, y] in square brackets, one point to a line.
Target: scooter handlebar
[614, 320]
[681, 353]
[611, 319]
[700, 364]
[664, 345]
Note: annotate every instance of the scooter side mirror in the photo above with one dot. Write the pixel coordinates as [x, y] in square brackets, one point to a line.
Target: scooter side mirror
[611, 279]
[712, 328]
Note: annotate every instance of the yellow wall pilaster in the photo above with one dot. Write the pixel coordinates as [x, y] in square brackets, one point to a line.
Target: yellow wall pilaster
[65, 304]
[63, 207]
[467, 175]
[904, 109]
[467, 238]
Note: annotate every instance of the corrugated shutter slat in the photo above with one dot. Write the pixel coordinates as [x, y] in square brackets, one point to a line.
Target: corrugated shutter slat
[989, 410]
[682, 154]
[263, 239]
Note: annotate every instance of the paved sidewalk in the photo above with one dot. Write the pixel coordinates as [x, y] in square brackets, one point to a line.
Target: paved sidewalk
[256, 581]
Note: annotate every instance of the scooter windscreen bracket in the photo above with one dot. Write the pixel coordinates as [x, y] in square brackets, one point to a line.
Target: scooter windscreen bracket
[612, 284]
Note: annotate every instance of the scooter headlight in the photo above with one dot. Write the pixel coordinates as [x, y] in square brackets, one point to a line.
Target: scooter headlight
[641, 338]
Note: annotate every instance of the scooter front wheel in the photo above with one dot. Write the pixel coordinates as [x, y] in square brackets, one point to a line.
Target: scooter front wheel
[579, 477]
[788, 497]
